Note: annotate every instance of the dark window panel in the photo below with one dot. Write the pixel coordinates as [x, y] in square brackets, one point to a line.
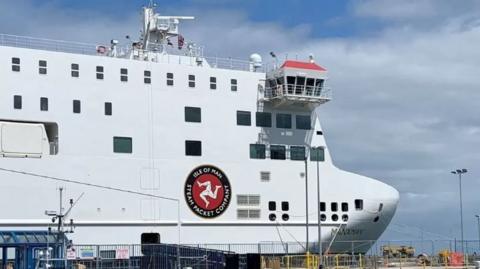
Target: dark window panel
[317, 154]
[108, 108]
[303, 122]
[17, 102]
[15, 60]
[285, 206]
[278, 152]
[284, 121]
[257, 151]
[44, 104]
[263, 119]
[244, 118]
[359, 204]
[233, 85]
[297, 153]
[345, 207]
[76, 106]
[122, 144]
[193, 114]
[323, 206]
[193, 148]
[272, 206]
[334, 207]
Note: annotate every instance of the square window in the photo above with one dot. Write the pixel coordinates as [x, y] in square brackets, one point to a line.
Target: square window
[123, 71]
[272, 206]
[263, 119]
[233, 85]
[193, 148]
[15, 60]
[244, 118]
[43, 104]
[42, 71]
[17, 102]
[297, 153]
[76, 106]
[122, 144]
[345, 207]
[193, 114]
[99, 75]
[284, 121]
[285, 206]
[108, 108]
[303, 122]
[317, 154]
[99, 69]
[16, 68]
[278, 152]
[42, 63]
[257, 151]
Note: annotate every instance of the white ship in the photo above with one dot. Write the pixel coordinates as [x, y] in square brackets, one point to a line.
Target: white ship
[236, 147]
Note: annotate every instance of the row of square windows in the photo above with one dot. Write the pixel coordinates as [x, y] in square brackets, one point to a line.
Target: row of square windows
[17, 104]
[262, 119]
[279, 152]
[147, 74]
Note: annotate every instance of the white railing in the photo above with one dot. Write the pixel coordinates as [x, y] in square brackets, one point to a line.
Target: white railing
[301, 92]
[91, 49]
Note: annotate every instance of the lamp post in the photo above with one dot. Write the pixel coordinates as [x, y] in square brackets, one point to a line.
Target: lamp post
[478, 226]
[459, 172]
[317, 158]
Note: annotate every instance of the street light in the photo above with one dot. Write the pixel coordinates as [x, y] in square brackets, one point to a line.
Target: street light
[478, 226]
[459, 172]
[317, 158]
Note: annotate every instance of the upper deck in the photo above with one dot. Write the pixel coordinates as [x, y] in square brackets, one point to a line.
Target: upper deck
[126, 52]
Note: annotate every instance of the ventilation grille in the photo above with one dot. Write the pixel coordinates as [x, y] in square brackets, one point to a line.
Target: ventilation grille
[248, 213]
[248, 200]
[264, 176]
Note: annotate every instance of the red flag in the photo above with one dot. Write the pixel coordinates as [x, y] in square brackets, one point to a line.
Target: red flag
[180, 41]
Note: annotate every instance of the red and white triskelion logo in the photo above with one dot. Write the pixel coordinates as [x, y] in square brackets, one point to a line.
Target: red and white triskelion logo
[207, 191]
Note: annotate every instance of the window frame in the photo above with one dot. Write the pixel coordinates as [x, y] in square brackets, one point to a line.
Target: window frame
[283, 120]
[272, 206]
[108, 108]
[170, 79]
[191, 81]
[17, 102]
[124, 74]
[16, 64]
[75, 70]
[278, 152]
[242, 114]
[358, 204]
[233, 84]
[313, 156]
[116, 140]
[42, 67]
[147, 77]
[99, 71]
[298, 118]
[77, 106]
[43, 104]
[213, 83]
[295, 158]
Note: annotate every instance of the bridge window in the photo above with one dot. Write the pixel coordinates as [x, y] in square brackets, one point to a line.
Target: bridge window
[123, 74]
[42, 67]
[358, 204]
[17, 102]
[285, 206]
[122, 144]
[16, 64]
[99, 71]
[297, 153]
[277, 152]
[303, 122]
[257, 151]
[147, 77]
[284, 121]
[263, 119]
[334, 207]
[272, 206]
[213, 83]
[193, 114]
[108, 108]
[345, 207]
[75, 70]
[244, 118]
[191, 81]
[317, 154]
[169, 79]
[76, 106]
[43, 104]
[233, 85]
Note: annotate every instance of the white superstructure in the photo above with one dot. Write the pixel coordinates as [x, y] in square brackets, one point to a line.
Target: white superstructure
[184, 126]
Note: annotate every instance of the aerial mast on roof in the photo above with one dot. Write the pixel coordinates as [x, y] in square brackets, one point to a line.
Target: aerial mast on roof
[158, 29]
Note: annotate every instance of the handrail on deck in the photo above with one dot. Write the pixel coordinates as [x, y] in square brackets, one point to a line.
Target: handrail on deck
[291, 90]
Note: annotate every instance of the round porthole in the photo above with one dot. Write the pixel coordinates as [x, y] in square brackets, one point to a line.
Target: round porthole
[334, 217]
[376, 219]
[345, 217]
[323, 217]
[272, 217]
[285, 217]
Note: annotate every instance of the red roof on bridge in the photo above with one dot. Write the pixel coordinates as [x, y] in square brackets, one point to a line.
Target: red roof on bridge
[303, 65]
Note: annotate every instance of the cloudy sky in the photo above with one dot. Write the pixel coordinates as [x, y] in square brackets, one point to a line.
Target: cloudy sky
[405, 76]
